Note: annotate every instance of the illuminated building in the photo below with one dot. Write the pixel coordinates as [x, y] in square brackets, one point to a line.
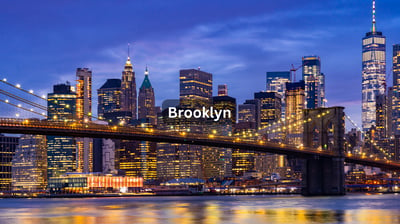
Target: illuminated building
[146, 101]
[295, 98]
[396, 90]
[373, 72]
[222, 90]
[249, 112]
[242, 161]
[82, 183]
[314, 82]
[29, 164]
[276, 82]
[128, 87]
[226, 103]
[8, 145]
[84, 152]
[381, 117]
[109, 97]
[61, 151]
[270, 107]
[195, 88]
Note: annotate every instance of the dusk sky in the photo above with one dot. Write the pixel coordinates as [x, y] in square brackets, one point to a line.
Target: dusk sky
[42, 43]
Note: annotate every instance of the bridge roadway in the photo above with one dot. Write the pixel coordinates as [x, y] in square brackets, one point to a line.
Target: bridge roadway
[40, 127]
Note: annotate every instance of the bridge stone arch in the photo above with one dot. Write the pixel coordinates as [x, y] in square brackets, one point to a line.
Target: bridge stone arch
[323, 175]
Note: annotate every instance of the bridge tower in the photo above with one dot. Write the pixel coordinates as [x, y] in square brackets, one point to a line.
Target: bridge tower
[324, 129]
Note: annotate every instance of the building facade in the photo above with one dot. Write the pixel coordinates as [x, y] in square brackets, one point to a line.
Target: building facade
[195, 88]
[314, 82]
[146, 101]
[373, 73]
[395, 96]
[109, 97]
[8, 145]
[128, 88]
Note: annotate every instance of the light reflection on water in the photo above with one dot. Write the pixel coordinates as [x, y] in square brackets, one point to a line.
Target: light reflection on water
[204, 209]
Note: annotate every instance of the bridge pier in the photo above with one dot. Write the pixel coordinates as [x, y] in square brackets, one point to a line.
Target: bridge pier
[324, 130]
[323, 176]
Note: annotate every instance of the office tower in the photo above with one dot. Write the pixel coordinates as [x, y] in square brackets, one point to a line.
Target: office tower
[146, 101]
[61, 151]
[8, 145]
[270, 107]
[29, 164]
[128, 87]
[276, 82]
[226, 103]
[314, 82]
[390, 119]
[396, 90]
[222, 90]
[84, 150]
[249, 111]
[195, 88]
[373, 72]
[381, 117]
[109, 97]
[295, 98]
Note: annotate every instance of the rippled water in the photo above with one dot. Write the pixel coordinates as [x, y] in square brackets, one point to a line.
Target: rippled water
[205, 209]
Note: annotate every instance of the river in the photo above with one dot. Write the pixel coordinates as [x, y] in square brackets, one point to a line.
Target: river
[354, 208]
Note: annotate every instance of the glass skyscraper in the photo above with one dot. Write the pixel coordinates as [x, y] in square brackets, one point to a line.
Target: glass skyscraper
[61, 106]
[373, 72]
[396, 90]
[314, 82]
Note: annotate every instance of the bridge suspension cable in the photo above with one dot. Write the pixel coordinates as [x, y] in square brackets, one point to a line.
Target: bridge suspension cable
[23, 108]
[17, 86]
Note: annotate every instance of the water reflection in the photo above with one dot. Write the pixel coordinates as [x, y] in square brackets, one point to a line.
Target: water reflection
[207, 210]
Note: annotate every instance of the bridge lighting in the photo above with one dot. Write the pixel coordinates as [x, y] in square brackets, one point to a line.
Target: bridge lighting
[214, 131]
[4, 80]
[18, 86]
[211, 136]
[17, 115]
[43, 96]
[31, 91]
[6, 101]
[19, 105]
[43, 114]
[183, 133]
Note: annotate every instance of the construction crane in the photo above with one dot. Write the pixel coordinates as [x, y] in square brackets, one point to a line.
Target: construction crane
[293, 72]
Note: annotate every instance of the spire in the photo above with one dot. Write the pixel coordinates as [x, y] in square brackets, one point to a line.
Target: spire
[128, 62]
[146, 81]
[373, 17]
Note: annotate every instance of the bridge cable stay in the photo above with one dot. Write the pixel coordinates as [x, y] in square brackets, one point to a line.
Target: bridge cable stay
[30, 92]
[23, 108]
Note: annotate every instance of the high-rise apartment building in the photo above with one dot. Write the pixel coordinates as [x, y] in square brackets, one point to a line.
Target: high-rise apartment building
[84, 152]
[29, 164]
[314, 82]
[146, 101]
[61, 151]
[373, 72]
[128, 90]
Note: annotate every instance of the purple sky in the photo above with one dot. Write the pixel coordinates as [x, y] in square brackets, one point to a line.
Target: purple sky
[42, 44]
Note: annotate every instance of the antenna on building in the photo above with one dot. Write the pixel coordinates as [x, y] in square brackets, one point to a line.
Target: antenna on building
[128, 50]
[373, 17]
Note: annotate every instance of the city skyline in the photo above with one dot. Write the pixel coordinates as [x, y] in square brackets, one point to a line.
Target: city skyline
[232, 44]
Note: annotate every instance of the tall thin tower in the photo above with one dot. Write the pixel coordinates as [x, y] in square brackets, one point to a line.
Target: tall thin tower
[373, 72]
[128, 87]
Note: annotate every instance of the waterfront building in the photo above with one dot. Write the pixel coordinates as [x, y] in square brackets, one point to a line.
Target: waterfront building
[87, 183]
[146, 101]
[29, 164]
[128, 90]
[8, 145]
[84, 151]
[314, 82]
[61, 150]
[373, 72]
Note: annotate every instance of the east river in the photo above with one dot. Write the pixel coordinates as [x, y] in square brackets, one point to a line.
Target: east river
[353, 208]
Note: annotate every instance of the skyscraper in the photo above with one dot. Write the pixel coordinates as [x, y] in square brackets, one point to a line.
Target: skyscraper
[61, 151]
[222, 90]
[29, 164]
[314, 82]
[128, 87]
[146, 101]
[276, 82]
[195, 88]
[271, 105]
[84, 150]
[373, 72]
[396, 90]
[109, 97]
[8, 145]
[295, 98]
